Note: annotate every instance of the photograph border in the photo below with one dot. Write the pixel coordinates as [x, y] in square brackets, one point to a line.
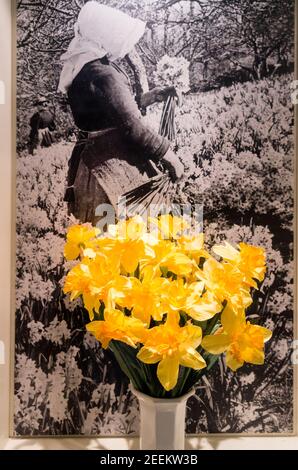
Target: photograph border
[13, 257]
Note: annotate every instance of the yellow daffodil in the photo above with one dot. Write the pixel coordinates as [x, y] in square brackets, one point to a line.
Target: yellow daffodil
[130, 253]
[189, 298]
[171, 346]
[101, 245]
[76, 239]
[242, 341]
[128, 244]
[165, 255]
[225, 281]
[145, 297]
[169, 226]
[78, 283]
[93, 279]
[119, 327]
[131, 229]
[203, 308]
[193, 246]
[250, 260]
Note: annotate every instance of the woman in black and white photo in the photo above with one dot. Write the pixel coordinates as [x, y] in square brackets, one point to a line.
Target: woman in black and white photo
[116, 148]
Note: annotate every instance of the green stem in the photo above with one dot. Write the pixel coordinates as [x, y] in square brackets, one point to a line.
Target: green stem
[182, 389]
[127, 366]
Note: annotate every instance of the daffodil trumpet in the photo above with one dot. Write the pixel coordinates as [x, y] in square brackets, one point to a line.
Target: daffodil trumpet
[163, 304]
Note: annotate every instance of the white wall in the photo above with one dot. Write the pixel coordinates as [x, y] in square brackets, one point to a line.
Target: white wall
[5, 201]
[7, 156]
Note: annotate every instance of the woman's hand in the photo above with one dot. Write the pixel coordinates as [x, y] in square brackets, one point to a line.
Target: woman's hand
[162, 94]
[173, 165]
[158, 95]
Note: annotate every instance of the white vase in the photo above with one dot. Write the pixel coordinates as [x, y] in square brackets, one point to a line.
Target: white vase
[162, 424]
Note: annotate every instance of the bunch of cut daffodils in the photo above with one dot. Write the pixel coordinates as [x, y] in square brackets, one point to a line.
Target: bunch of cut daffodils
[173, 71]
[164, 305]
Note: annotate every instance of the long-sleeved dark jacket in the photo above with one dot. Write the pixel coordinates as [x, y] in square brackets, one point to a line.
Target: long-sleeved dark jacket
[117, 159]
[100, 98]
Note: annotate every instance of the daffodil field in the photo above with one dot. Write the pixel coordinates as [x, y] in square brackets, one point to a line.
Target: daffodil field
[237, 145]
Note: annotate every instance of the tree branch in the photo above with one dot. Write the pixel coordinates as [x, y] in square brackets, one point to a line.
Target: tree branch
[78, 4]
[44, 6]
[153, 62]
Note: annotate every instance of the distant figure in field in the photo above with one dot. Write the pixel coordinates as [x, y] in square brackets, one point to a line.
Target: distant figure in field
[42, 125]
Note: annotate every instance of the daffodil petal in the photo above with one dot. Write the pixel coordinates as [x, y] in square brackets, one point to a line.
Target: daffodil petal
[203, 311]
[194, 335]
[113, 316]
[129, 262]
[172, 319]
[96, 328]
[216, 344]
[142, 315]
[191, 358]
[149, 355]
[226, 251]
[232, 362]
[230, 320]
[167, 371]
[253, 356]
[71, 251]
[267, 334]
[89, 253]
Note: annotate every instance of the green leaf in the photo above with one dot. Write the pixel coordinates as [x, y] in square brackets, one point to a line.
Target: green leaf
[126, 358]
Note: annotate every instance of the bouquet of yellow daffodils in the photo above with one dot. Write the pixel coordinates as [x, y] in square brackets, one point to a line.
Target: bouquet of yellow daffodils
[164, 305]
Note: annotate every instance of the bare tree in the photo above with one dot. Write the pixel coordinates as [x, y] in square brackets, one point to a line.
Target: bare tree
[218, 37]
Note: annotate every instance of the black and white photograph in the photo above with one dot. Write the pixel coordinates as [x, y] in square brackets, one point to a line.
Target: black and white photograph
[114, 96]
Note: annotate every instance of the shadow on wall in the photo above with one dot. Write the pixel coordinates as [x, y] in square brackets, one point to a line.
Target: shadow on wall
[77, 443]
